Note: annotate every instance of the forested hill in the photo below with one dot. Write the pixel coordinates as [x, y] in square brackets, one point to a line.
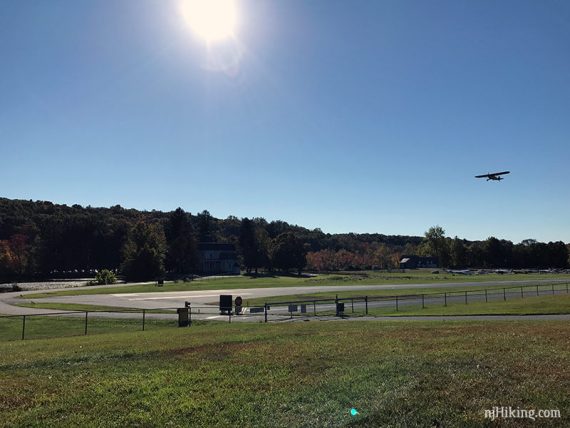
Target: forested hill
[40, 237]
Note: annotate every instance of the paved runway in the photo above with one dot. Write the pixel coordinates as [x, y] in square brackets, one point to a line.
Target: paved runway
[173, 299]
[204, 298]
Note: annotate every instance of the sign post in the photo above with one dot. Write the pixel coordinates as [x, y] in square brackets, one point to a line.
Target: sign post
[238, 302]
[225, 304]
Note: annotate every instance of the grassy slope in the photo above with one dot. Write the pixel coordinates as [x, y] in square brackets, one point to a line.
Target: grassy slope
[362, 278]
[302, 374]
[559, 304]
[57, 326]
[528, 290]
[545, 304]
[83, 307]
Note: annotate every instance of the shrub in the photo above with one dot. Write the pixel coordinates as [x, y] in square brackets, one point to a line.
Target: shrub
[105, 276]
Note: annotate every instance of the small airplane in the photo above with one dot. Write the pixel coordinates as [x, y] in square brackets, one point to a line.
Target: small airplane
[460, 271]
[494, 176]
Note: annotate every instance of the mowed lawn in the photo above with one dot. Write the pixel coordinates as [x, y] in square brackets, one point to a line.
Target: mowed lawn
[355, 278]
[294, 374]
[557, 304]
[528, 290]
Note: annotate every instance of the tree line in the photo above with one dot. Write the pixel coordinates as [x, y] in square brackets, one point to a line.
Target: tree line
[42, 239]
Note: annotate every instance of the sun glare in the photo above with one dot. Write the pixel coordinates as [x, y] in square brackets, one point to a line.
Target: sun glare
[213, 20]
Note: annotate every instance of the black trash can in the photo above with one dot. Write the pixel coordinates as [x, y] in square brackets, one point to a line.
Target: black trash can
[183, 317]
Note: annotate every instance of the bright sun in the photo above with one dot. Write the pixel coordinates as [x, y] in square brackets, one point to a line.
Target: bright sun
[213, 20]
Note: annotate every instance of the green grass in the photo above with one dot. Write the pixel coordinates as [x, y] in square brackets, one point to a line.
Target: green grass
[530, 305]
[85, 307]
[300, 374]
[557, 304]
[54, 326]
[356, 278]
[397, 292]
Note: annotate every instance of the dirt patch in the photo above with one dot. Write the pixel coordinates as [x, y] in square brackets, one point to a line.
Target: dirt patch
[211, 352]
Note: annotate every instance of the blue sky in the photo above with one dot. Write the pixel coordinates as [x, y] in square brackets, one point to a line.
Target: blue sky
[364, 116]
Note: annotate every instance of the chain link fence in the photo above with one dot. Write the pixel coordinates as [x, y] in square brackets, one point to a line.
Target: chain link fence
[398, 304]
[73, 323]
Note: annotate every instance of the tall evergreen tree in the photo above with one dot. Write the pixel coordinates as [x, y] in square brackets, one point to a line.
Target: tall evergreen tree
[144, 252]
[252, 242]
[458, 253]
[205, 227]
[182, 252]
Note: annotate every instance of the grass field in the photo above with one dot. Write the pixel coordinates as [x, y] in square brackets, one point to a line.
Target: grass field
[530, 289]
[357, 278]
[559, 304]
[531, 304]
[57, 326]
[542, 305]
[37, 326]
[301, 374]
[83, 307]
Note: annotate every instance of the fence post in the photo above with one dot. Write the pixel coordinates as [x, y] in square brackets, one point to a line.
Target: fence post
[352, 302]
[144, 316]
[486, 299]
[423, 301]
[522, 293]
[230, 316]
[396, 303]
[23, 327]
[314, 307]
[504, 294]
[86, 313]
[466, 297]
[265, 311]
[566, 288]
[366, 302]
[445, 299]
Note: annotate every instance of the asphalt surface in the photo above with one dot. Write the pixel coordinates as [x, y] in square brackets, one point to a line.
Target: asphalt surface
[204, 302]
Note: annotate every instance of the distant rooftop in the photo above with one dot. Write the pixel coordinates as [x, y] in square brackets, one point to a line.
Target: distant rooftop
[216, 246]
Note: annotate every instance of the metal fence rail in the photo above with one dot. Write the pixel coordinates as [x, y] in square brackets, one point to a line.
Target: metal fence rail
[361, 305]
[73, 323]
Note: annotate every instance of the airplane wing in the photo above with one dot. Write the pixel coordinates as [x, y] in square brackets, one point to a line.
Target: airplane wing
[494, 174]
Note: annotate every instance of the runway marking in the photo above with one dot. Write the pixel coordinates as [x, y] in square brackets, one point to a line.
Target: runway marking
[192, 296]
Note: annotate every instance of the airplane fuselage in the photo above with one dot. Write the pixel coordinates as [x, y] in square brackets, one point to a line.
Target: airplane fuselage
[495, 176]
